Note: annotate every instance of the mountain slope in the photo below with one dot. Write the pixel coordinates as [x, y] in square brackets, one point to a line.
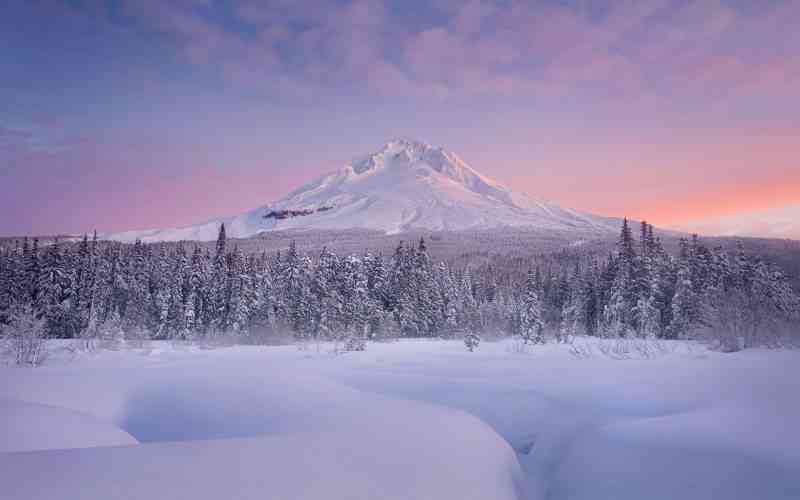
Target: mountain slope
[406, 185]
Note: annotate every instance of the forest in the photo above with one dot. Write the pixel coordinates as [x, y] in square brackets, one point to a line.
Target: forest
[97, 290]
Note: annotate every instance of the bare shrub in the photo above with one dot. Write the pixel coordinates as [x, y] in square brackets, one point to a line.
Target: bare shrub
[517, 346]
[25, 337]
[218, 339]
[355, 343]
[268, 334]
[137, 338]
[618, 349]
[581, 350]
[472, 341]
[627, 348]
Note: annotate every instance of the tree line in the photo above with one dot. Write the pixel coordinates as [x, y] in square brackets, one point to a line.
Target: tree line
[92, 290]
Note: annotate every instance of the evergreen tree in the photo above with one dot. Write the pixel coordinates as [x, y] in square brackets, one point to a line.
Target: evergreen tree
[325, 302]
[531, 324]
[295, 291]
[684, 304]
[31, 276]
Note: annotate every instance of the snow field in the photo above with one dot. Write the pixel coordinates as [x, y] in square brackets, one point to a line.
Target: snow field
[224, 424]
[408, 419]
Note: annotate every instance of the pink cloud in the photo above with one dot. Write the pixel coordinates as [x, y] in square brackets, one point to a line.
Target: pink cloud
[199, 40]
[517, 47]
[38, 136]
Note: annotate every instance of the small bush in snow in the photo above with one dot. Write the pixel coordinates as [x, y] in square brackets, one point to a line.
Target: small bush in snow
[581, 350]
[621, 349]
[517, 346]
[472, 341]
[355, 343]
[25, 338]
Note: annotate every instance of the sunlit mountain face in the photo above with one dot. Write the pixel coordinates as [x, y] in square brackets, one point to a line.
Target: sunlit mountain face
[405, 185]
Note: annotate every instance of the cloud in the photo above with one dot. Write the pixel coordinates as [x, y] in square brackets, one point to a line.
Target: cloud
[484, 47]
[43, 137]
[186, 23]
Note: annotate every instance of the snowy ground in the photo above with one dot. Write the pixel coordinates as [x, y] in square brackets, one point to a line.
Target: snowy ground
[410, 420]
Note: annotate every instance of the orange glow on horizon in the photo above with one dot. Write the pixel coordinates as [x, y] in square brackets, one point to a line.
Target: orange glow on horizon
[691, 177]
[725, 201]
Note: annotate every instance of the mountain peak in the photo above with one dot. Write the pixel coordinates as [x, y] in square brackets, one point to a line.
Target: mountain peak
[404, 143]
[406, 184]
[396, 151]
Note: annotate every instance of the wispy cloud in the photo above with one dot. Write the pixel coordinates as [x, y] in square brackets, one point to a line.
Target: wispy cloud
[36, 137]
[476, 46]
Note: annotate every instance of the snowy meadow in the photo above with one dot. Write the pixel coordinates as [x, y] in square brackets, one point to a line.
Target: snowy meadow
[403, 419]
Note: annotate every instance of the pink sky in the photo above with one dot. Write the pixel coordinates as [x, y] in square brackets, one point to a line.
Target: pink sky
[122, 115]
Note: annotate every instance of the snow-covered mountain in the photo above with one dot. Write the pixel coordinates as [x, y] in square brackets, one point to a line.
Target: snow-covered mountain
[776, 222]
[405, 185]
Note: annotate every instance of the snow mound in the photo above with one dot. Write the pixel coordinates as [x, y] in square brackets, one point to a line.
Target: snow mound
[416, 420]
[223, 424]
[29, 426]
[688, 455]
[398, 462]
[405, 185]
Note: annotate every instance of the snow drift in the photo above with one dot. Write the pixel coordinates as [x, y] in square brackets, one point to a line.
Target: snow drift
[213, 428]
[30, 426]
[410, 420]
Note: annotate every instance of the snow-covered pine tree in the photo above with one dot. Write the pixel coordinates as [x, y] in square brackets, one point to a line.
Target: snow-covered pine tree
[158, 285]
[137, 292]
[262, 315]
[218, 305]
[86, 304]
[242, 296]
[324, 300]
[294, 279]
[591, 307]
[377, 279]
[427, 302]
[175, 285]
[615, 313]
[447, 300]
[30, 277]
[402, 283]
[356, 306]
[196, 294]
[467, 308]
[11, 284]
[55, 293]
[378, 290]
[684, 303]
[531, 324]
